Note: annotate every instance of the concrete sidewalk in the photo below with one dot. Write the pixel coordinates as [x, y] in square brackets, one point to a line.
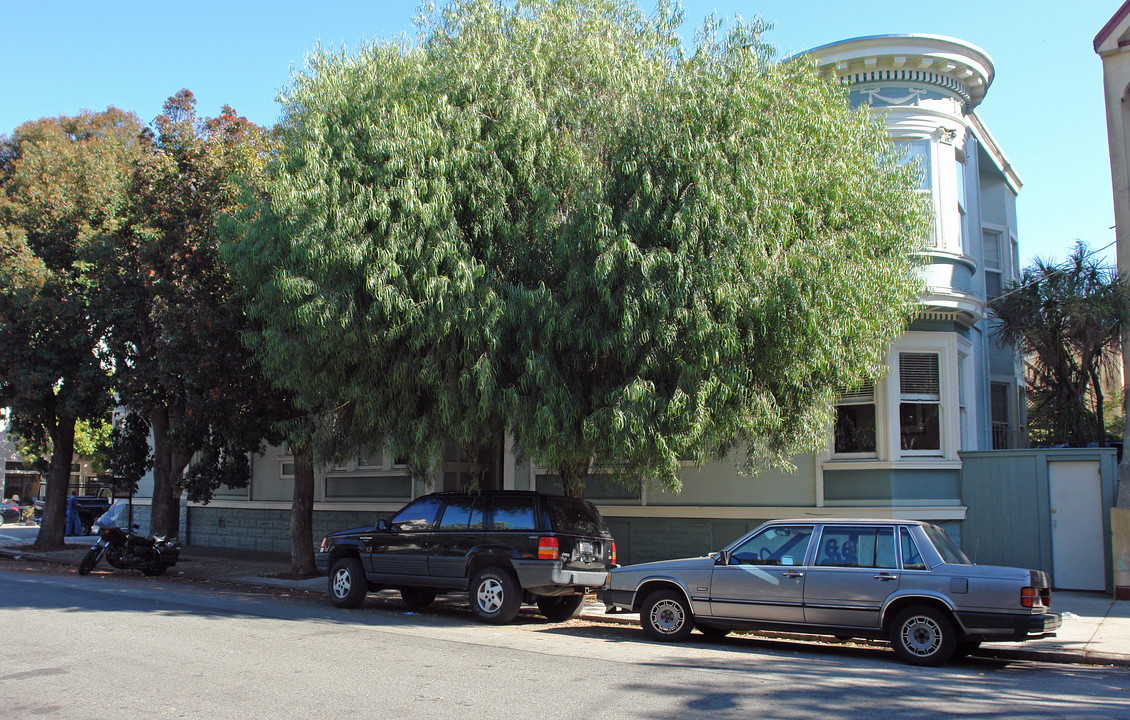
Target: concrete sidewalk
[1096, 628]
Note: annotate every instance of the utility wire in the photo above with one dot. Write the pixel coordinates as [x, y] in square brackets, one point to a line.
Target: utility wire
[1062, 267]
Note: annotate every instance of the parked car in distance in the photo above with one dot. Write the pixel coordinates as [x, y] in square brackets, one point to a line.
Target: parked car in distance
[903, 581]
[9, 512]
[503, 548]
[90, 508]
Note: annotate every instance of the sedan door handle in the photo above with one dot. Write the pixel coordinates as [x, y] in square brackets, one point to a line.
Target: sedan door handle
[886, 576]
[792, 574]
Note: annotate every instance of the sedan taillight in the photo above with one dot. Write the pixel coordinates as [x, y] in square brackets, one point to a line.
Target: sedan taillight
[1032, 597]
[613, 553]
[548, 548]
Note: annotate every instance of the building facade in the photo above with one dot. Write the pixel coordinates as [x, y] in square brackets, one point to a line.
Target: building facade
[895, 447]
[1113, 45]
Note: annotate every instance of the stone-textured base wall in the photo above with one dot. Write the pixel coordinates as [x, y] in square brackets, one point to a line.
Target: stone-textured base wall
[263, 530]
[1120, 542]
[637, 539]
[645, 539]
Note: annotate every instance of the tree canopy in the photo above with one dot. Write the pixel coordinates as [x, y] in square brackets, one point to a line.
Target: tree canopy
[63, 193]
[554, 221]
[175, 315]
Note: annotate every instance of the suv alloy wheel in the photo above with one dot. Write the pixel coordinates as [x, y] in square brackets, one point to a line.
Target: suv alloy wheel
[495, 596]
[347, 583]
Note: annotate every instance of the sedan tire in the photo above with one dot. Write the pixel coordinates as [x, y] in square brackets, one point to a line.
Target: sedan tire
[666, 616]
[922, 635]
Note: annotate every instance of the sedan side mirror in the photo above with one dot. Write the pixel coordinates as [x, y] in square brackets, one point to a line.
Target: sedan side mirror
[383, 525]
[719, 558]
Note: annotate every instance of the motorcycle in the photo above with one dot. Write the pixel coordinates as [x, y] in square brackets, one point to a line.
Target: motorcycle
[126, 549]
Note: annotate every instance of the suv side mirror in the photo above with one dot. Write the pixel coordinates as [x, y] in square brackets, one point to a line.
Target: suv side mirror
[383, 525]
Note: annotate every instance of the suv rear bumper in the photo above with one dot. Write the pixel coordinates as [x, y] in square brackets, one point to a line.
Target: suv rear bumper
[534, 574]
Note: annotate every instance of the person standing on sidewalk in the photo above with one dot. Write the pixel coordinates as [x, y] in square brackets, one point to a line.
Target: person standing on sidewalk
[74, 526]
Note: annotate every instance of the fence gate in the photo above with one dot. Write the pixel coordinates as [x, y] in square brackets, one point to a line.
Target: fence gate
[1078, 560]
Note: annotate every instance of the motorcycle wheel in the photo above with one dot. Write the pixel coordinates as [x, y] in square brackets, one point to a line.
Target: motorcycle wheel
[89, 560]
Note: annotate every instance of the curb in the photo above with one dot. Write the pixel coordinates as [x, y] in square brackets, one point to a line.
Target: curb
[597, 615]
[1062, 657]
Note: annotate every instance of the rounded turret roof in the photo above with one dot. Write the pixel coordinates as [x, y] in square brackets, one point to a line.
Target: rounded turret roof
[964, 69]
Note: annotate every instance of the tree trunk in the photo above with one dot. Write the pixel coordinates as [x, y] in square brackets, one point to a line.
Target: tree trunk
[1099, 420]
[302, 515]
[161, 512]
[52, 531]
[573, 477]
[176, 476]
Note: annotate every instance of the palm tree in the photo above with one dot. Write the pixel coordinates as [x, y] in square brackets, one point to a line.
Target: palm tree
[1067, 320]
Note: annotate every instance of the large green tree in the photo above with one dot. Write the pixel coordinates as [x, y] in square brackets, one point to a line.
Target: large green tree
[1066, 319]
[175, 336]
[64, 190]
[551, 220]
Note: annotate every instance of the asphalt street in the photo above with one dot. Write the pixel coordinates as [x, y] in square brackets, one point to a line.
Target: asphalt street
[113, 646]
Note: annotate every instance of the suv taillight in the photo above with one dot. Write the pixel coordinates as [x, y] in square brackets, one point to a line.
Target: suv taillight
[613, 553]
[548, 548]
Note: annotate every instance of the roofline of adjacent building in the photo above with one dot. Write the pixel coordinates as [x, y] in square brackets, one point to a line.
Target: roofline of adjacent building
[1111, 24]
[994, 151]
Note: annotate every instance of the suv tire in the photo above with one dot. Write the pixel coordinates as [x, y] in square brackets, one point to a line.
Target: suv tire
[495, 596]
[417, 598]
[560, 607]
[666, 616]
[347, 583]
[922, 635]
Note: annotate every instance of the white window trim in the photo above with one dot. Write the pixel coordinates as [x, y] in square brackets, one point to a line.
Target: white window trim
[934, 240]
[889, 454]
[877, 400]
[946, 346]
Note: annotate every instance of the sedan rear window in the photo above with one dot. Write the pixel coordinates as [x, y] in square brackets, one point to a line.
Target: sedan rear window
[576, 517]
[946, 547]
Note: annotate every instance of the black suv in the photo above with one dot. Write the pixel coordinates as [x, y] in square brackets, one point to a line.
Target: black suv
[504, 548]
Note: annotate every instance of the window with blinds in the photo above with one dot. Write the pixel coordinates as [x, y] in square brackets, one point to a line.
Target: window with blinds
[854, 432]
[920, 396]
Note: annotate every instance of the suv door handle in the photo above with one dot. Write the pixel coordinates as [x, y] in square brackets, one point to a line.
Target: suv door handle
[792, 574]
[886, 576]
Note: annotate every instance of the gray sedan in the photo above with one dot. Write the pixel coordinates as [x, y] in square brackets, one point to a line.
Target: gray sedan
[903, 581]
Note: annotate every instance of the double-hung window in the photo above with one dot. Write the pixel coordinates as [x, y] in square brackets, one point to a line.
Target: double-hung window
[920, 403]
[962, 211]
[855, 423]
[917, 153]
[992, 242]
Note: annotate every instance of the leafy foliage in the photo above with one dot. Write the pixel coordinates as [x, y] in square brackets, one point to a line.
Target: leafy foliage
[551, 220]
[176, 332]
[63, 193]
[1067, 319]
[131, 457]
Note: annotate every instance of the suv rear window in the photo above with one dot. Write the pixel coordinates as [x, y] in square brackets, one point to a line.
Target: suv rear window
[513, 513]
[576, 517]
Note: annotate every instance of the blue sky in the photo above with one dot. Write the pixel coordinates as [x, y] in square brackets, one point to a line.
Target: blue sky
[1045, 106]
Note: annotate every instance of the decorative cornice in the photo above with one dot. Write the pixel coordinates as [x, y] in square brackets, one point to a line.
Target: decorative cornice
[963, 70]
